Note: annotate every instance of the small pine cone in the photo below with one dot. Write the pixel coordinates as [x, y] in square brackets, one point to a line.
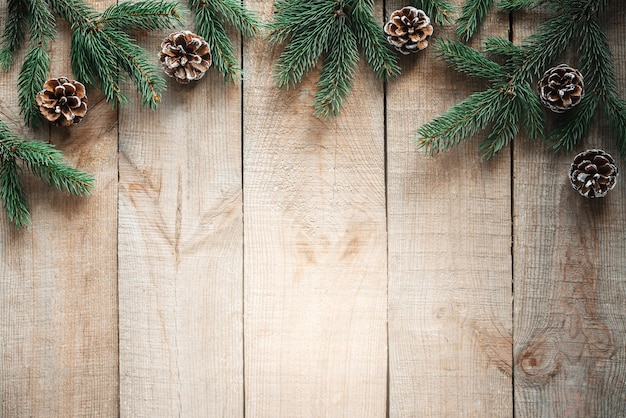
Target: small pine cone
[593, 173]
[408, 30]
[185, 56]
[62, 101]
[561, 88]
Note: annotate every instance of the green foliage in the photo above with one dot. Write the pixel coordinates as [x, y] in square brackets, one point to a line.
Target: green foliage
[14, 31]
[211, 20]
[472, 15]
[439, 11]
[334, 30]
[43, 161]
[510, 103]
[101, 50]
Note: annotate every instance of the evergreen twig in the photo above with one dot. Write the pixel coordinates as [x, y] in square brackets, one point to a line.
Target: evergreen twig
[472, 15]
[42, 160]
[100, 47]
[516, 102]
[334, 30]
[439, 11]
[211, 19]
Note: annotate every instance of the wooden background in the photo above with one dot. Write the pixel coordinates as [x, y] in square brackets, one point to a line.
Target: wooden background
[240, 257]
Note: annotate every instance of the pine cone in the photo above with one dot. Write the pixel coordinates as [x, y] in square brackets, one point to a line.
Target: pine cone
[593, 173]
[408, 30]
[62, 101]
[185, 56]
[561, 88]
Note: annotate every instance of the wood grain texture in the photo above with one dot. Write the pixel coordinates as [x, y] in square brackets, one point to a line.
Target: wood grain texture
[180, 252]
[315, 247]
[449, 254]
[570, 339]
[58, 287]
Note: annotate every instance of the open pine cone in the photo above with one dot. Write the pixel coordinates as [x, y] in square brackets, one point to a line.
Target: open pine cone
[593, 173]
[408, 30]
[62, 101]
[185, 56]
[561, 88]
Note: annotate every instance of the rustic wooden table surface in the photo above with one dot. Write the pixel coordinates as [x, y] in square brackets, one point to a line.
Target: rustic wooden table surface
[240, 257]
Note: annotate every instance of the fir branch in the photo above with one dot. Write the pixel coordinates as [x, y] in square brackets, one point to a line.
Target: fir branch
[517, 5]
[460, 122]
[222, 51]
[504, 47]
[615, 111]
[468, 60]
[64, 177]
[337, 71]
[37, 61]
[142, 15]
[531, 111]
[30, 81]
[439, 11]
[233, 13]
[309, 40]
[45, 162]
[94, 64]
[14, 31]
[504, 129]
[569, 132]
[137, 63]
[374, 47]
[333, 29]
[100, 48]
[12, 193]
[211, 18]
[548, 42]
[472, 15]
[519, 105]
[596, 60]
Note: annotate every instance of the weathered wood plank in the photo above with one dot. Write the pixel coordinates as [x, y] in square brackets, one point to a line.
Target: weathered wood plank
[449, 255]
[180, 252]
[315, 247]
[569, 340]
[58, 287]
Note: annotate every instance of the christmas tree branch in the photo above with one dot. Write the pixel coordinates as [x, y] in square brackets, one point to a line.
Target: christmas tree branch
[517, 102]
[334, 30]
[14, 31]
[44, 162]
[211, 18]
[439, 11]
[100, 47]
[144, 15]
[472, 15]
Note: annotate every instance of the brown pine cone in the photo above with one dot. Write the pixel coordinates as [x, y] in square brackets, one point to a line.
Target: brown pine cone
[408, 30]
[185, 56]
[593, 173]
[561, 88]
[62, 101]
